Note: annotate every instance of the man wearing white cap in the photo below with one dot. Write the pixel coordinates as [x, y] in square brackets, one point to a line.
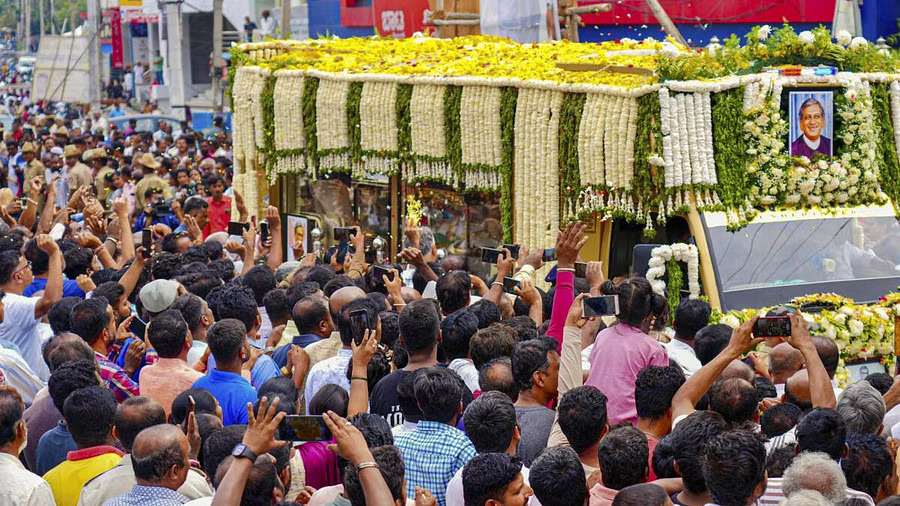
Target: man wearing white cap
[158, 295]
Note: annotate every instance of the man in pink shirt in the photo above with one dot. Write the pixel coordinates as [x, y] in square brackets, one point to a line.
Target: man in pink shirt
[171, 375]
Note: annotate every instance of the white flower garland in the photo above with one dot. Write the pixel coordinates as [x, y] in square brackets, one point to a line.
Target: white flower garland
[536, 199]
[481, 134]
[681, 252]
[289, 125]
[332, 130]
[428, 135]
[378, 117]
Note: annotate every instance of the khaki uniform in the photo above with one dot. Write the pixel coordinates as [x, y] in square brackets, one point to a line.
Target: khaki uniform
[79, 175]
[147, 182]
[103, 189]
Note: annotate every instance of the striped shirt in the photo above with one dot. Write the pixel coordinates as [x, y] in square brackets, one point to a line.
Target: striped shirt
[115, 378]
[433, 453]
[774, 495]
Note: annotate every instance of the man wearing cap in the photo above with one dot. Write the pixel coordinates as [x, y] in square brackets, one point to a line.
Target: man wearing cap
[33, 167]
[97, 159]
[158, 295]
[150, 180]
[79, 173]
[61, 136]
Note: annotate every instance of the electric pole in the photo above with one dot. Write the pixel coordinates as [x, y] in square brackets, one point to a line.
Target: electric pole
[285, 18]
[93, 28]
[53, 17]
[27, 17]
[217, 56]
[41, 14]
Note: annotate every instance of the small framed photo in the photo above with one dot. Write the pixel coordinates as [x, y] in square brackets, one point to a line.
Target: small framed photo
[859, 370]
[297, 234]
[811, 120]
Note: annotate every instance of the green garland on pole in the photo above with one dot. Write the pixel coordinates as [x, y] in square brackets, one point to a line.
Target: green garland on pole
[404, 125]
[888, 163]
[267, 98]
[508, 101]
[674, 282]
[567, 152]
[648, 182]
[354, 95]
[310, 91]
[729, 147]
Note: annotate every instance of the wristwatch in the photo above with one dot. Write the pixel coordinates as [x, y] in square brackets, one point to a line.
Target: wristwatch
[241, 451]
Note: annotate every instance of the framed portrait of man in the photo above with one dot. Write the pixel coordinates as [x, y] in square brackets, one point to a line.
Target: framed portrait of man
[811, 119]
[297, 235]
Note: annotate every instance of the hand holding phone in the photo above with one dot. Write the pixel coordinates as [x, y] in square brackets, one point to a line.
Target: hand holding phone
[383, 271]
[490, 255]
[513, 250]
[359, 323]
[344, 233]
[304, 428]
[580, 270]
[510, 285]
[605, 305]
[772, 326]
[237, 228]
[549, 255]
[263, 232]
[147, 242]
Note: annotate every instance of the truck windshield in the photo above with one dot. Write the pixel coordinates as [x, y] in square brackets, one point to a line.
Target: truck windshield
[806, 248]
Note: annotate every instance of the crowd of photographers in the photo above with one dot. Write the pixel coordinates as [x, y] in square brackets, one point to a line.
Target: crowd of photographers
[156, 348]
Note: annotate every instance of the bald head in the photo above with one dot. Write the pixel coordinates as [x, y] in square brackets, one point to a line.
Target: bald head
[784, 361]
[160, 457]
[133, 416]
[497, 375]
[796, 390]
[828, 352]
[410, 294]
[344, 296]
[738, 369]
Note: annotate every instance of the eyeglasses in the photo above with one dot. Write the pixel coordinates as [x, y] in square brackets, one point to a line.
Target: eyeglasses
[26, 266]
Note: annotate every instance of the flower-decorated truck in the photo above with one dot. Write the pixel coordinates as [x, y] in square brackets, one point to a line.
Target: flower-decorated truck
[776, 158]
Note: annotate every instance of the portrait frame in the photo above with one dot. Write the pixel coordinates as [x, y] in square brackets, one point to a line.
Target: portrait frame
[857, 371]
[293, 222]
[795, 99]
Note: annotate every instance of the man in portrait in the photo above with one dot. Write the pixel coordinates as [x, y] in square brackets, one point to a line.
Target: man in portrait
[811, 122]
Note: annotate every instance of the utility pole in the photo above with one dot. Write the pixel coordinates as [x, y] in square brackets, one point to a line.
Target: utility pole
[93, 28]
[41, 14]
[285, 18]
[27, 17]
[72, 16]
[176, 67]
[217, 56]
[53, 17]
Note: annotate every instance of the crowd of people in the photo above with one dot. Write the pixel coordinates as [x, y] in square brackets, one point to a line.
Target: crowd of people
[150, 355]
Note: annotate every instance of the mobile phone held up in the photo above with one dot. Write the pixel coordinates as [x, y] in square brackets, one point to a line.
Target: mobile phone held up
[263, 232]
[237, 228]
[605, 305]
[513, 250]
[580, 270]
[772, 326]
[510, 284]
[359, 323]
[549, 255]
[304, 428]
[383, 271]
[344, 233]
[490, 255]
[138, 327]
[147, 242]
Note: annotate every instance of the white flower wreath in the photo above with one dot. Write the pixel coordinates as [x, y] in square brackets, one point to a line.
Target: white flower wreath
[681, 252]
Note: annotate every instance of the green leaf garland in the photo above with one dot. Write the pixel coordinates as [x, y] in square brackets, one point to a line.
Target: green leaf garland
[569, 174]
[888, 163]
[674, 283]
[508, 102]
[404, 125]
[310, 90]
[354, 95]
[729, 147]
[452, 128]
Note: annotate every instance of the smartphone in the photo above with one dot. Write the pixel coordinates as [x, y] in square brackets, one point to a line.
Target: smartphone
[605, 305]
[263, 232]
[510, 284]
[772, 326]
[359, 323]
[490, 255]
[513, 250]
[304, 428]
[549, 255]
[344, 233]
[138, 327]
[580, 270]
[383, 271]
[237, 228]
[147, 243]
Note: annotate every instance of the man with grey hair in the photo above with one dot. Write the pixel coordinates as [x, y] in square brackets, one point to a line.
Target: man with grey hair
[815, 471]
[862, 408]
[806, 498]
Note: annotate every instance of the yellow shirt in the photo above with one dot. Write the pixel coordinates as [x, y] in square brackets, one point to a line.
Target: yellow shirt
[67, 479]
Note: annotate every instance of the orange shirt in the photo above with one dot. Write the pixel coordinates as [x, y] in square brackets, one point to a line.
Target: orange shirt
[165, 379]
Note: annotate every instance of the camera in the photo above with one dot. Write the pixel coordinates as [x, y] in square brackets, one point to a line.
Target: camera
[160, 208]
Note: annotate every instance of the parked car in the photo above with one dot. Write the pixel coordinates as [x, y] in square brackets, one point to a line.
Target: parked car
[145, 122]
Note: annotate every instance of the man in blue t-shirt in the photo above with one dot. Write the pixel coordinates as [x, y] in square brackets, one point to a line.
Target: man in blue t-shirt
[227, 341]
[40, 266]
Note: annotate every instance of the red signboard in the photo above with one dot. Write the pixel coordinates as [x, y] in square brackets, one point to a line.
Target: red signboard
[636, 12]
[115, 25]
[399, 18]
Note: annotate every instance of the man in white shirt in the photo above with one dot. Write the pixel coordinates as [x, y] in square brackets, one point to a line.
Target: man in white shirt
[21, 315]
[267, 24]
[334, 369]
[20, 487]
[690, 316]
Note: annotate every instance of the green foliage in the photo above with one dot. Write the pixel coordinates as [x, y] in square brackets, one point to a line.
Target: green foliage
[888, 163]
[354, 95]
[508, 102]
[569, 175]
[729, 147]
[452, 129]
[674, 283]
[310, 91]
